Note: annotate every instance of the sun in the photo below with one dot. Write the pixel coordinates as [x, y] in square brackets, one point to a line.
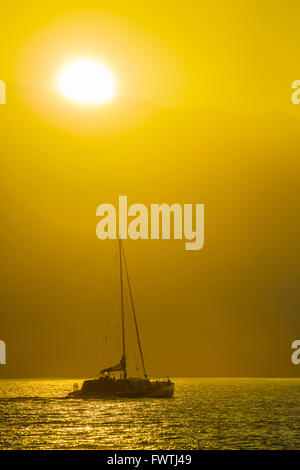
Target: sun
[86, 81]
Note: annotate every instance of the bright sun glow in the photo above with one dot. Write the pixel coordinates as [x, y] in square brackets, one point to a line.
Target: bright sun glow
[86, 81]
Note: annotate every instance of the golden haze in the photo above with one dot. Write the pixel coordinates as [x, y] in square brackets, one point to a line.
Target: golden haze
[203, 115]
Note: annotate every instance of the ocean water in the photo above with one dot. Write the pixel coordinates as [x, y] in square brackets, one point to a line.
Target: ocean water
[203, 414]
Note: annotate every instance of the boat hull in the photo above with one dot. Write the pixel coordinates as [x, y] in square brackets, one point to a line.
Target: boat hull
[126, 388]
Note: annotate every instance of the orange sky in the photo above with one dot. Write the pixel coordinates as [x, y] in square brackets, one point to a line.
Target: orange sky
[204, 116]
[225, 55]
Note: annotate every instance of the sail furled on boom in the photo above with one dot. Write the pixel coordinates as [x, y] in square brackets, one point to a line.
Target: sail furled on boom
[120, 366]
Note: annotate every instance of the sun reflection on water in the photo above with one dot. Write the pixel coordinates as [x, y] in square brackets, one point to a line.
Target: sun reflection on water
[204, 414]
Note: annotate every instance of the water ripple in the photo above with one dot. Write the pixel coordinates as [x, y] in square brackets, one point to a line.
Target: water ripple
[204, 414]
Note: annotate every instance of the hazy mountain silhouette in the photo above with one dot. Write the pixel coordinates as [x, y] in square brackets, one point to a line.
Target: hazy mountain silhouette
[229, 309]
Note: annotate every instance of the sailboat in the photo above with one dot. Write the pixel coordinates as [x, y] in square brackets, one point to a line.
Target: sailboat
[109, 386]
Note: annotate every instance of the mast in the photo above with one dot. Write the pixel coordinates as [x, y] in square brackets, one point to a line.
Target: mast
[122, 308]
[134, 316]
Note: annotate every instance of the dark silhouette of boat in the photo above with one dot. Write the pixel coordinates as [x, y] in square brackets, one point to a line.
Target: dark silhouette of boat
[108, 386]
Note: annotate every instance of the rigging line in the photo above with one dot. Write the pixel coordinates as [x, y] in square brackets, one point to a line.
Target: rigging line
[134, 315]
[90, 332]
[87, 349]
[94, 337]
[122, 306]
[132, 343]
[101, 342]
